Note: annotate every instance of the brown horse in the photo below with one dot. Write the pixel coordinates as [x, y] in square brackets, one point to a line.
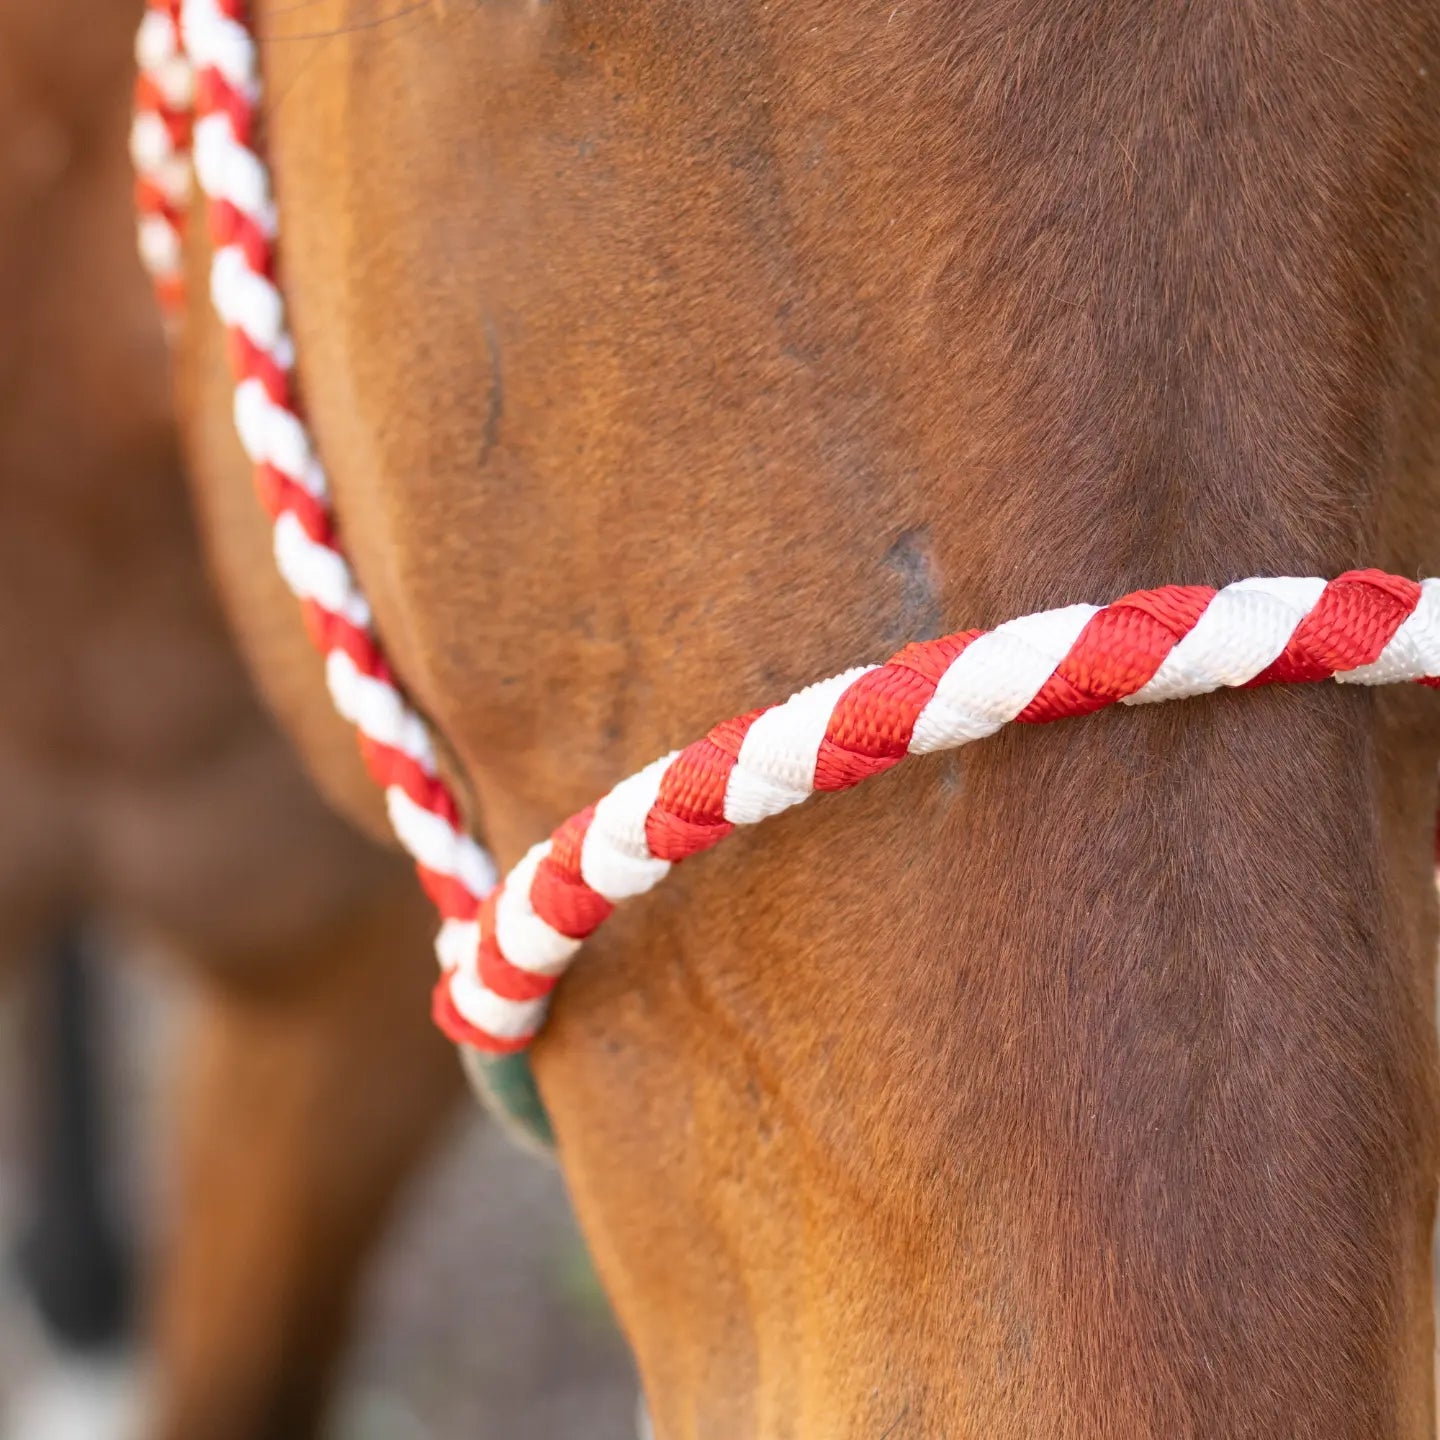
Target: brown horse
[141, 786]
[666, 356]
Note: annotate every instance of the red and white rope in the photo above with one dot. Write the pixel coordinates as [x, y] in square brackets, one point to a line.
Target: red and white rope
[160, 148]
[503, 948]
[1365, 627]
[198, 99]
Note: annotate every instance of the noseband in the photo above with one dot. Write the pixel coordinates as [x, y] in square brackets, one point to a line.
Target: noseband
[503, 946]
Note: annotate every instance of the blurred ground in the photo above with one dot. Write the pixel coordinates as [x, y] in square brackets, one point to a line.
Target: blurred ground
[481, 1316]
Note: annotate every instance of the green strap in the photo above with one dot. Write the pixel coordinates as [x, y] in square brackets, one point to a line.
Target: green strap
[506, 1084]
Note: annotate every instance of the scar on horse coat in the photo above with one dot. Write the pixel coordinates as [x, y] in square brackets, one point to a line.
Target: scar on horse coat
[140, 785]
[1085, 1087]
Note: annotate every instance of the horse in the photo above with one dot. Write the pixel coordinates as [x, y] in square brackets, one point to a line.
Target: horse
[664, 357]
[145, 791]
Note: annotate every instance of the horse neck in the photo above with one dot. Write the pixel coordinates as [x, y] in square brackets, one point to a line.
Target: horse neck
[1087, 1085]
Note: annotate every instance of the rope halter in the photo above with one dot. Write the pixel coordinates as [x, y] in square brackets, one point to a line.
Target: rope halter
[502, 947]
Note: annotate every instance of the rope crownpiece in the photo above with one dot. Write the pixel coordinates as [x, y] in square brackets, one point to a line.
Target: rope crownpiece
[503, 947]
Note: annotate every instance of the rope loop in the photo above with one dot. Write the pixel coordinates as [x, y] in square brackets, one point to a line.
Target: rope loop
[503, 947]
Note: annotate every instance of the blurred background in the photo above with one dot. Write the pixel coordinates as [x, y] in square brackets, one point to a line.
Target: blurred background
[480, 1314]
[239, 1173]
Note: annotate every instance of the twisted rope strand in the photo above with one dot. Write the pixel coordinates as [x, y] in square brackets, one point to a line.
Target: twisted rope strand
[1365, 627]
[503, 948]
[197, 102]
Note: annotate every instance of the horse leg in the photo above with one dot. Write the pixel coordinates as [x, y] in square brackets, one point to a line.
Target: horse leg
[71, 1255]
[304, 1108]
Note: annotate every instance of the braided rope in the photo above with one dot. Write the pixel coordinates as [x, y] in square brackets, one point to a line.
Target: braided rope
[197, 98]
[160, 138]
[503, 947]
